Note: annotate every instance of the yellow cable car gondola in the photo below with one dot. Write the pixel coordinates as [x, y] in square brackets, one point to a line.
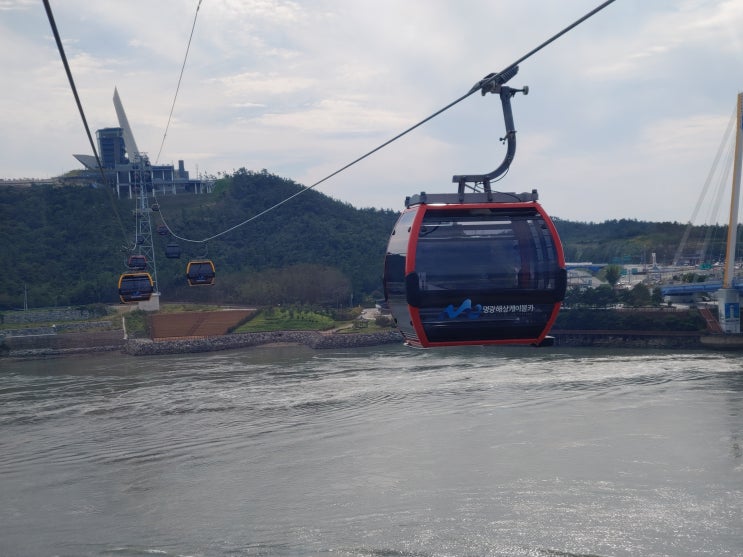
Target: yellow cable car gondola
[200, 272]
[135, 287]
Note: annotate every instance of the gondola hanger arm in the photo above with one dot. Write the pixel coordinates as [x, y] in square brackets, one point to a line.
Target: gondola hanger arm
[496, 84]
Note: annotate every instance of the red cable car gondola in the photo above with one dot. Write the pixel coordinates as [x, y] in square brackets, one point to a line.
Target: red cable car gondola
[200, 273]
[135, 287]
[476, 268]
[475, 273]
[137, 262]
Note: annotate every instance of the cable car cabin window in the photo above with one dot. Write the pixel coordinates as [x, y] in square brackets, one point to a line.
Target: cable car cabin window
[135, 287]
[485, 252]
[200, 273]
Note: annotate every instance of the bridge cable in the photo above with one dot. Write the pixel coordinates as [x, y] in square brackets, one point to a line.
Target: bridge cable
[725, 141]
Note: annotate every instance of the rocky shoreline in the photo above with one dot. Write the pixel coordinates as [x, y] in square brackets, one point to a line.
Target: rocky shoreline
[668, 340]
[53, 345]
[313, 339]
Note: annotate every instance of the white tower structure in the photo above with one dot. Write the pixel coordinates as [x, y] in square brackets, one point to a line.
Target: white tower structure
[131, 145]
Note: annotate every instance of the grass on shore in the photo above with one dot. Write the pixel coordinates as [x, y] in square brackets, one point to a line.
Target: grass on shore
[279, 319]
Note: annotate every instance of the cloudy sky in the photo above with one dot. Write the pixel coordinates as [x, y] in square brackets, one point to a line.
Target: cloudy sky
[624, 117]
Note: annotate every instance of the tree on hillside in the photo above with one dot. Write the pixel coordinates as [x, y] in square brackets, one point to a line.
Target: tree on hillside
[639, 296]
[603, 296]
[303, 284]
[612, 273]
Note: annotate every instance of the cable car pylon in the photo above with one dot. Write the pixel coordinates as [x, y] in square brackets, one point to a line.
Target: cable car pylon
[145, 243]
[140, 180]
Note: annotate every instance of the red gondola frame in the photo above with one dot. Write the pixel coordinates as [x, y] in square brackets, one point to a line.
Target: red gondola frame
[457, 316]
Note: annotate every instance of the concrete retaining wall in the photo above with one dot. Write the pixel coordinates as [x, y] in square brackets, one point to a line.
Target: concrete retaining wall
[50, 315]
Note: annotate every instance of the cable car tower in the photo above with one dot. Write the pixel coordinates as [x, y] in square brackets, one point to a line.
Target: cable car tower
[142, 182]
[140, 178]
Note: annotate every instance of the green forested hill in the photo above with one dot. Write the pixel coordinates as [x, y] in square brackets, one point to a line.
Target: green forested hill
[633, 241]
[66, 245]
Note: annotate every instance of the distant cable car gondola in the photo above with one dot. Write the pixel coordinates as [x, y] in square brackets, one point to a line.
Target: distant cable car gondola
[162, 230]
[137, 262]
[200, 273]
[135, 287]
[173, 251]
[476, 268]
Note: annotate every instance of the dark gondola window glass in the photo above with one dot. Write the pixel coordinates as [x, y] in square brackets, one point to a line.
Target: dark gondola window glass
[200, 270]
[136, 284]
[482, 250]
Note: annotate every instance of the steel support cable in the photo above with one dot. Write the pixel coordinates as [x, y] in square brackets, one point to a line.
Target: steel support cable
[326, 178]
[715, 205]
[714, 209]
[722, 184]
[722, 170]
[62, 54]
[723, 148]
[722, 188]
[180, 78]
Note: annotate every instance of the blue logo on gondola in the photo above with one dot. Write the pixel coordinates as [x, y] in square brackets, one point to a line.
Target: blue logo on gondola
[464, 309]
